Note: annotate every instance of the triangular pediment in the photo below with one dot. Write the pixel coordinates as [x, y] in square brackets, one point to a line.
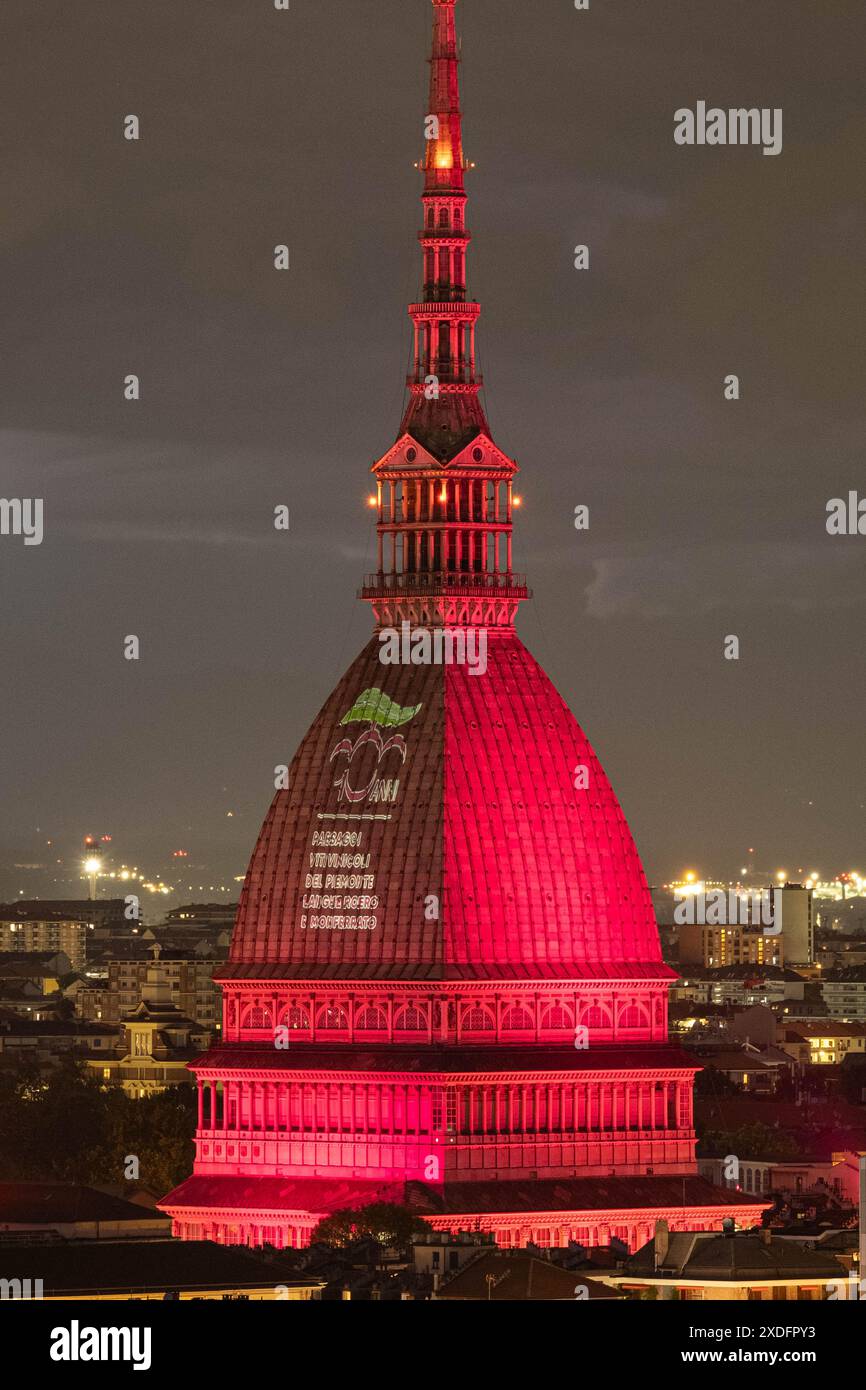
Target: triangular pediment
[491, 455]
[408, 452]
[400, 456]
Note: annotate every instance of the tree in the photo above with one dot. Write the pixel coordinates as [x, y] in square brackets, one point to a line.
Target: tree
[67, 1127]
[755, 1141]
[711, 1083]
[392, 1226]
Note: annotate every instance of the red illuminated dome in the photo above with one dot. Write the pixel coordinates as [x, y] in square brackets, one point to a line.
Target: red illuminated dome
[445, 986]
[480, 792]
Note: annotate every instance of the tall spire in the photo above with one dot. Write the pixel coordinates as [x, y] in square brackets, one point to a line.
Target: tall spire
[444, 157]
[444, 490]
[444, 411]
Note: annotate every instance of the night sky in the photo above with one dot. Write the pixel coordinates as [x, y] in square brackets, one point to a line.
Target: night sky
[261, 127]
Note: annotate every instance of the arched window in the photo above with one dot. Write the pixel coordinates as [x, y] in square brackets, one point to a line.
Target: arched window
[256, 1017]
[443, 217]
[594, 1016]
[517, 1020]
[331, 1018]
[371, 1020]
[632, 1016]
[296, 1018]
[556, 1018]
[477, 1019]
[410, 1019]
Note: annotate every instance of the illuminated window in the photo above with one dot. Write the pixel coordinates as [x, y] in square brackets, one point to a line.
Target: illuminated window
[557, 1018]
[517, 1020]
[371, 1020]
[256, 1018]
[297, 1018]
[478, 1020]
[410, 1020]
[332, 1019]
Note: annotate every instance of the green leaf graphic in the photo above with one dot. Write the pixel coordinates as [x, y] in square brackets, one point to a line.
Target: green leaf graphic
[374, 705]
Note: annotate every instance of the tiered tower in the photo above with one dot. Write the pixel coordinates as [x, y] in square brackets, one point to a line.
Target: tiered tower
[445, 986]
[444, 495]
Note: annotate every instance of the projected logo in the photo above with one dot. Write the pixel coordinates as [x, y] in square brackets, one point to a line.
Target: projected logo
[369, 766]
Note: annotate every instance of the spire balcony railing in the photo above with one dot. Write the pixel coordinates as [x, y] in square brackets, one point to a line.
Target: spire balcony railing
[454, 581]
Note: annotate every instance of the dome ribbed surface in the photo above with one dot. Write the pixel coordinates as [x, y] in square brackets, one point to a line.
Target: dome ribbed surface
[432, 829]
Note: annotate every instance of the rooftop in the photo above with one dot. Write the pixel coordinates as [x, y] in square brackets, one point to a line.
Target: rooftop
[739, 1256]
[45, 1203]
[91, 1269]
[511, 1276]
